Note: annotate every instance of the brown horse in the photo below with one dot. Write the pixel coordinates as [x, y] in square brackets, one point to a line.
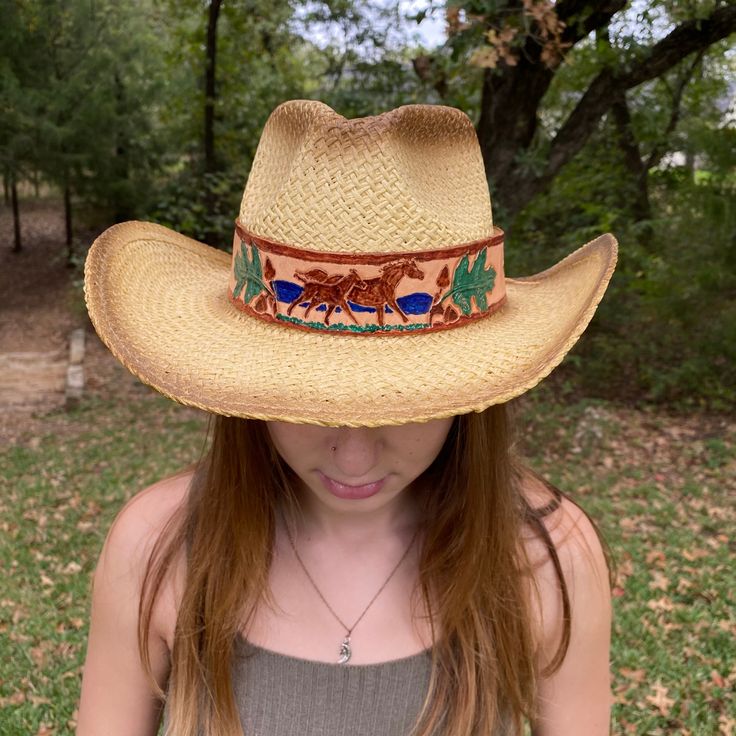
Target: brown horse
[379, 291]
[319, 288]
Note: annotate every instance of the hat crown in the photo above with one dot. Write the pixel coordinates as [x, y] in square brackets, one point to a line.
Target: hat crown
[409, 180]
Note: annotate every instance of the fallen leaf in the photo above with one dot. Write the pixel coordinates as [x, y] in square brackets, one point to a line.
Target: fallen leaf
[39, 700]
[660, 699]
[661, 604]
[16, 698]
[659, 581]
[38, 655]
[694, 554]
[717, 679]
[657, 557]
[683, 585]
[633, 675]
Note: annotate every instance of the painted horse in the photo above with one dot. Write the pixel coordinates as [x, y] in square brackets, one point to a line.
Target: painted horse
[380, 291]
[319, 288]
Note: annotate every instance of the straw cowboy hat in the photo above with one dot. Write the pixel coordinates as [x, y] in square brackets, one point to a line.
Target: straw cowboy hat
[366, 285]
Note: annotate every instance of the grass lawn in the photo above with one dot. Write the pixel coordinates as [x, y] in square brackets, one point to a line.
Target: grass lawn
[660, 487]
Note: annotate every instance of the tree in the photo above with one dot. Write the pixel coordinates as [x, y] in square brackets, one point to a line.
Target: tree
[79, 87]
[210, 93]
[360, 57]
[17, 152]
[521, 44]
[217, 104]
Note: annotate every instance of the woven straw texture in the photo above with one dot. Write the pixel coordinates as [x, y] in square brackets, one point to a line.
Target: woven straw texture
[409, 180]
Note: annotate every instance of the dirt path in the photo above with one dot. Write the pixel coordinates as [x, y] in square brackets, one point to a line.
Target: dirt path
[40, 304]
[36, 301]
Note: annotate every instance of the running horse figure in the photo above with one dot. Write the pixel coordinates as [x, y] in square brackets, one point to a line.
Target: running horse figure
[319, 288]
[380, 291]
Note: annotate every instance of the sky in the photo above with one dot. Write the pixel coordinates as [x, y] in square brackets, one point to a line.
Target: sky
[431, 30]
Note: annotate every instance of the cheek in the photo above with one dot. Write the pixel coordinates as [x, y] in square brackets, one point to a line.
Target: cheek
[286, 442]
[425, 443]
[296, 444]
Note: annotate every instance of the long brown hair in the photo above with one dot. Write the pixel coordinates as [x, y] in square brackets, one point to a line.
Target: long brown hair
[474, 577]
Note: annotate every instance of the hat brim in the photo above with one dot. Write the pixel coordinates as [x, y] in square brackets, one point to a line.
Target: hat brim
[159, 301]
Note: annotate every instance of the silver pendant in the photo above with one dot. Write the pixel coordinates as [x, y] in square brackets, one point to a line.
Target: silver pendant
[345, 651]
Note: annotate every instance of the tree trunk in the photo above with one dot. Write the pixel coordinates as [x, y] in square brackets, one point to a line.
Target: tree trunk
[210, 92]
[510, 102]
[6, 188]
[640, 206]
[68, 224]
[124, 209]
[210, 98]
[17, 244]
[508, 122]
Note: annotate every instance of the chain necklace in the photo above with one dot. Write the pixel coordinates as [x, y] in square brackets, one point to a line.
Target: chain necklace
[346, 648]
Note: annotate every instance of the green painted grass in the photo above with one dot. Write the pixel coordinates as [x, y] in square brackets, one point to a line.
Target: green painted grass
[661, 489]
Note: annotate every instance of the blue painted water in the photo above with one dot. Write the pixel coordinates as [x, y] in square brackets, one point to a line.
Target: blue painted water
[416, 303]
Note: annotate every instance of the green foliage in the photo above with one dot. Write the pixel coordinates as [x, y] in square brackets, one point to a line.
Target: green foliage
[666, 329]
[202, 206]
[58, 497]
[471, 283]
[80, 79]
[259, 64]
[358, 57]
[248, 273]
[687, 295]
[371, 88]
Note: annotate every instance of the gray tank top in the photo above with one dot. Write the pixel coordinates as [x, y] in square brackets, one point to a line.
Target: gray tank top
[280, 695]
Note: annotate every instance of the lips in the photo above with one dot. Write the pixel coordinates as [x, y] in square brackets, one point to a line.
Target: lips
[345, 491]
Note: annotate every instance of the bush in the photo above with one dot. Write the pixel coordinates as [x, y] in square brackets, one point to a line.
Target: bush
[666, 330]
[202, 206]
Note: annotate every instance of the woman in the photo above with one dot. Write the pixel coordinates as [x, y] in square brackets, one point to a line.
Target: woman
[359, 552]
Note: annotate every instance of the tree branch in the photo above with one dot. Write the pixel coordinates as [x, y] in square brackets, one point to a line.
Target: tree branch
[690, 36]
[426, 69]
[578, 25]
[629, 146]
[510, 101]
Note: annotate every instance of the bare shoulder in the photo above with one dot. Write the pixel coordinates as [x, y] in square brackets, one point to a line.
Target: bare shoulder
[116, 688]
[571, 531]
[579, 550]
[573, 640]
[140, 522]
[130, 543]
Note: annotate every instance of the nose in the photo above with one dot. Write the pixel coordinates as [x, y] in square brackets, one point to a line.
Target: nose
[357, 451]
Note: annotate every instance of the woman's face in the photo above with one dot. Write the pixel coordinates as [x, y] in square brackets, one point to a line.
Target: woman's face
[348, 468]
